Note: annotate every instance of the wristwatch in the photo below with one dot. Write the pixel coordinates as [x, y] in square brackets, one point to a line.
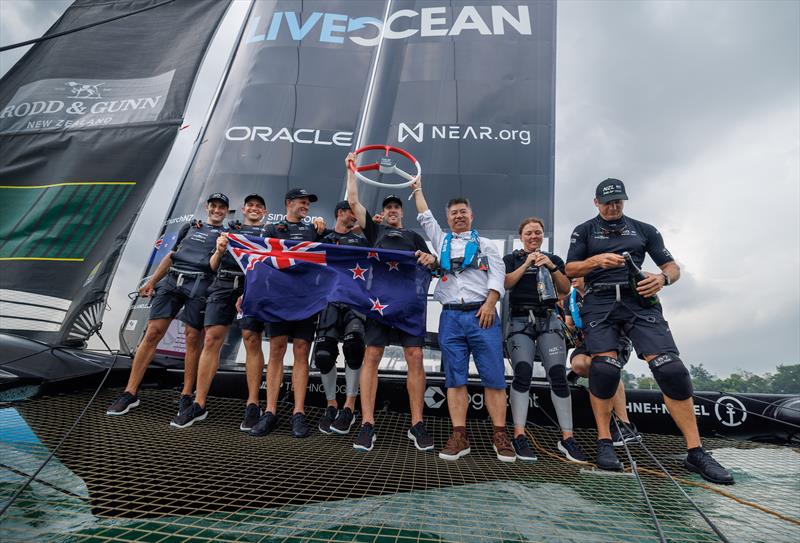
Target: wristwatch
[667, 282]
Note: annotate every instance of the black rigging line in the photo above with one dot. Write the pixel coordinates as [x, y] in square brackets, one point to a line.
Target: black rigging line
[35, 474]
[685, 495]
[635, 471]
[79, 28]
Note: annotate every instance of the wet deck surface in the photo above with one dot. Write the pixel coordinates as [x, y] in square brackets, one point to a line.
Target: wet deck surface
[134, 478]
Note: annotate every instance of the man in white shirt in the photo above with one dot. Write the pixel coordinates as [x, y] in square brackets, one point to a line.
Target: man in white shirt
[470, 286]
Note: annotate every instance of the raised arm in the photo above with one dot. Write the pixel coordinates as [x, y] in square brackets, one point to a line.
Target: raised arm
[419, 198]
[352, 192]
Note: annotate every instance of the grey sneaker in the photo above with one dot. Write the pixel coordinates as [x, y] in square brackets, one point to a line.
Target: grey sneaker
[571, 449]
[365, 439]
[124, 403]
[344, 421]
[187, 417]
[184, 403]
[420, 436]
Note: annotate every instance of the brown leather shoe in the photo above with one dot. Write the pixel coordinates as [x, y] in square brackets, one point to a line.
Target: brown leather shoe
[503, 447]
[456, 447]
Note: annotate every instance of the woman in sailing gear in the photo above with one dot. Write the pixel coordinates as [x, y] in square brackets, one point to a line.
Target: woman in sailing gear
[340, 322]
[390, 234]
[534, 328]
[298, 202]
[179, 282]
[613, 306]
[471, 285]
[221, 298]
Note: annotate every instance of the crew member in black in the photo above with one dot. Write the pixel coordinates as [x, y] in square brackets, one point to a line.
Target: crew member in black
[180, 281]
[220, 314]
[339, 321]
[534, 327]
[390, 234]
[298, 201]
[611, 307]
[580, 362]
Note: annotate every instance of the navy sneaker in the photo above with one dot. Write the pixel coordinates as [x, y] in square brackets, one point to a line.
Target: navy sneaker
[420, 436]
[365, 439]
[627, 433]
[187, 417]
[184, 403]
[265, 424]
[700, 461]
[573, 452]
[251, 415]
[344, 421]
[606, 457]
[523, 449]
[124, 403]
[327, 419]
[299, 426]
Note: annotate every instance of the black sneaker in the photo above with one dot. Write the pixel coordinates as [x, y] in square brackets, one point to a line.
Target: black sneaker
[709, 469]
[606, 457]
[124, 403]
[184, 403]
[265, 424]
[299, 426]
[251, 415]
[627, 433]
[187, 417]
[420, 436]
[344, 421]
[327, 419]
[523, 448]
[571, 449]
[365, 439]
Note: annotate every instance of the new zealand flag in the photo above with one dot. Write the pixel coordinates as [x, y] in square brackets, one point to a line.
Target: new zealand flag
[292, 280]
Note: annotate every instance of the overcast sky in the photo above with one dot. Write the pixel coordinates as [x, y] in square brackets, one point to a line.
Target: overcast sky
[694, 105]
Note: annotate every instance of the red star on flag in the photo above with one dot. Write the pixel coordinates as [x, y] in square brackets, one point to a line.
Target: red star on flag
[358, 272]
[376, 305]
[373, 254]
[393, 265]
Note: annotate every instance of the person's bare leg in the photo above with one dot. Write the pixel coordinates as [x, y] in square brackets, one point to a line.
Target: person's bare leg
[156, 329]
[194, 345]
[496, 405]
[350, 403]
[682, 412]
[209, 360]
[277, 350]
[300, 350]
[620, 404]
[415, 382]
[457, 404]
[368, 381]
[254, 364]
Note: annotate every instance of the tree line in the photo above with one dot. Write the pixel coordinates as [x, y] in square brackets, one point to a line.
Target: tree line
[785, 380]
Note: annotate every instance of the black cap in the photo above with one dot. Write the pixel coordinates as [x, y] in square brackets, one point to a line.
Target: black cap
[300, 193]
[344, 204]
[392, 198]
[219, 196]
[255, 197]
[609, 190]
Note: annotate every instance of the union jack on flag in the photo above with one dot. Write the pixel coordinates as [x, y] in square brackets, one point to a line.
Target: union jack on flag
[287, 280]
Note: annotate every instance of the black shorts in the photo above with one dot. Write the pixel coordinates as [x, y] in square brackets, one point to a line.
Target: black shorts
[190, 296]
[338, 320]
[251, 324]
[303, 329]
[604, 323]
[624, 350]
[221, 302]
[381, 335]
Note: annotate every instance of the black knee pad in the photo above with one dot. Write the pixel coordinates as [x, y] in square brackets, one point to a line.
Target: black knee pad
[523, 373]
[353, 349]
[558, 381]
[325, 353]
[604, 375]
[672, 376]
